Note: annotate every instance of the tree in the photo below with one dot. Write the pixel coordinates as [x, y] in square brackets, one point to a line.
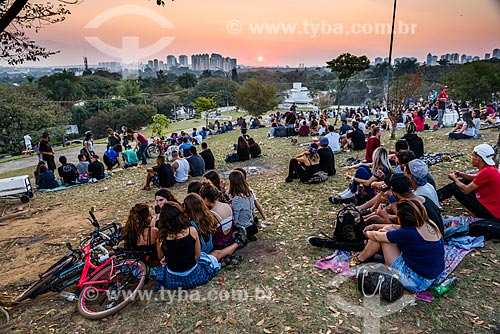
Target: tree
[403, 88]
[345, 66]
[257, 98]
[64, 86]
[203, 104]
[474, 81]
[160, 125]
[25, 109]
[405, 66]
[19, 16]
[187, 80]
[443, 62]
[97, 86]
[324, 101]
[220, 89]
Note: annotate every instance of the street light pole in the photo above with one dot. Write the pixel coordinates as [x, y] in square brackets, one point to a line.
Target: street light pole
[227, 84]
[386, 86]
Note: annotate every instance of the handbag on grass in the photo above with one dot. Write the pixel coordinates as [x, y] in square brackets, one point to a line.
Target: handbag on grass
[376, 278]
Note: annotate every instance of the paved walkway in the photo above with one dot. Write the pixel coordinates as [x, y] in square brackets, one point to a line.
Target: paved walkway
[70, 153]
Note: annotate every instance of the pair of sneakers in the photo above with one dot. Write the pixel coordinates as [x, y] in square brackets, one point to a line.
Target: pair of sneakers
[240, 237]
[345, 197]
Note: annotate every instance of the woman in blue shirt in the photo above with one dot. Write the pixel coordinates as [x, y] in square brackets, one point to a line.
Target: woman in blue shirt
[413, 249]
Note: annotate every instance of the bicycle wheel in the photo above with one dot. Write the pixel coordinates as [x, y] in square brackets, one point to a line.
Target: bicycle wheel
[114, 288]
[153, 150]
[44, 282]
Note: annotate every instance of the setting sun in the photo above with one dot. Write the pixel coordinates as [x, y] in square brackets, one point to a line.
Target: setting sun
[260, 58]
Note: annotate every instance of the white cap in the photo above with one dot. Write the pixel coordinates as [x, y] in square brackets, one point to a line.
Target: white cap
[486, 152]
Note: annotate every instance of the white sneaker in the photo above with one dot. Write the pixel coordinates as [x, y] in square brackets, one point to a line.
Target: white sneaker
[344, 192]
[348, 194]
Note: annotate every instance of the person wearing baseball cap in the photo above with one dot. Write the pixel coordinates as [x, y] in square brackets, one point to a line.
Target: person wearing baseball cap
[326, 157]
[417, 171]
[476, 192]
[443, 99]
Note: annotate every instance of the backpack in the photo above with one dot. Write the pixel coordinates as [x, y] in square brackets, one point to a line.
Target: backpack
[349, 225]
[232, 157]
[317, 177]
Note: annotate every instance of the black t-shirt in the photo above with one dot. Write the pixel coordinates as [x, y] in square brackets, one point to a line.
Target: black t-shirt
[96, 170]
[326, 160]
[196, 165]
[165, 175]
[434, 213]
[46, 147]
[415, 143]
[68, 173]
[358, 139]
[209, 159]
[113, 140]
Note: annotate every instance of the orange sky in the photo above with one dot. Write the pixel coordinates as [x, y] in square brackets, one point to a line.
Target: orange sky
[463, 26]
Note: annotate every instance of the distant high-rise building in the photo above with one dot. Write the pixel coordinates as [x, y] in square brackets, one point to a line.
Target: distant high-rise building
[150, 64]
[496, 53]
[434, 60]
[429, 59]
[463, 59]
[155, 65]
[378, 60]
[487, 56]
[200, 62]
[386, 59]
[455, 58]
[468, 59]
[171, 62]
[475, 58]
[161, 66]
[183, 61]
[216, 61]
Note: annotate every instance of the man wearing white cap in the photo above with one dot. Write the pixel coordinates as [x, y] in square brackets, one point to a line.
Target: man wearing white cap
[477, 192]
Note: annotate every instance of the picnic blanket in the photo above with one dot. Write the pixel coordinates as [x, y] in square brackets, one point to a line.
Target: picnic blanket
[434, 158]
[338, 262]
[63, 187]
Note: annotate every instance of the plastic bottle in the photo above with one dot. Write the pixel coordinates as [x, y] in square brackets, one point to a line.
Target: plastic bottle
[69, 296]
[444, 287]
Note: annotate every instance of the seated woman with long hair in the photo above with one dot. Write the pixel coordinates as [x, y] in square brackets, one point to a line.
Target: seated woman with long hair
[162, 196]
[179, 248]
[304, 165]
[366, 176]
[413, 249]
[466, 131]
[139, 234]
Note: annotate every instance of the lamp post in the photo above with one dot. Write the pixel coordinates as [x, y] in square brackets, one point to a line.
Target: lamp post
[386, 86]
[227, 85]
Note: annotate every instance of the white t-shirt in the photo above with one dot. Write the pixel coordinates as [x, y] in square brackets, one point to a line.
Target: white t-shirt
[334, 141]
[27, 140]
[182, 172]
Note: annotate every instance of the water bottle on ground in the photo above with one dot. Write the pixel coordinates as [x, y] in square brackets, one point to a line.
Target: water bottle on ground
[69, 296]
[444, 287]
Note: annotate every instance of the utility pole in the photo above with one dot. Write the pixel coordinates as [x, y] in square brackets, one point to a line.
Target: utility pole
[386, 85]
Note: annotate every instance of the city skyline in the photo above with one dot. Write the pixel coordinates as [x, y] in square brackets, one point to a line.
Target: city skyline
[266, 34]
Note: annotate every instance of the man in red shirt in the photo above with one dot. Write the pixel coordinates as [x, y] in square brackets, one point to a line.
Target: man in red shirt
[372, 144]
[476, 192]
[442, 101]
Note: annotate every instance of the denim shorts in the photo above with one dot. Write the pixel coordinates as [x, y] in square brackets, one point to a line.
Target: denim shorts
[408, 278]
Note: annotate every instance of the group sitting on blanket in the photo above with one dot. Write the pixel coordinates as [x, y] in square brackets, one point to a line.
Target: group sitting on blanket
[403, 219]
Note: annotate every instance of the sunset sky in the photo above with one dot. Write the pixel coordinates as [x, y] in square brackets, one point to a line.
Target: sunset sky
[224, 26]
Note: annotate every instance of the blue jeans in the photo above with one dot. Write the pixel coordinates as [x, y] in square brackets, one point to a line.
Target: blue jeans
[142, 152]
[408, 278]
[440, 116]
[363, 172]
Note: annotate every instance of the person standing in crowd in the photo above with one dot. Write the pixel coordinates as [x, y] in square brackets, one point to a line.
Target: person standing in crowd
[47, 151]
[180, 168]
[141, 143]
[113, 138]
[88, 145]
[207, 156]
[27, 143]
[476, 192]
[443, 99]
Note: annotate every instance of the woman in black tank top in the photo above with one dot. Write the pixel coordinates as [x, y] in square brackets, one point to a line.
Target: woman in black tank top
[139, 235]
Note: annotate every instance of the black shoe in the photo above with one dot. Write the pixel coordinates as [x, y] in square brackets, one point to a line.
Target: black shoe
[251, 237]
[289, 179]
[320, 242]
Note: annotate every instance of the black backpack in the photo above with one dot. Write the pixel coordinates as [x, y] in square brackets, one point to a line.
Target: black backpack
[232, 157]
[349, 225]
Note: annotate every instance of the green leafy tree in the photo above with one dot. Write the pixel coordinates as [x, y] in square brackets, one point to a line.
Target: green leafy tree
[64, 86]
[405, 66]
[219, 89]
[204, 104]
[166, 104]
[25, 109]
[136, 116]
[187, 80]
[474, 81]
[345, 66]
[160, 125]
[257, 98]
[97, 86]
